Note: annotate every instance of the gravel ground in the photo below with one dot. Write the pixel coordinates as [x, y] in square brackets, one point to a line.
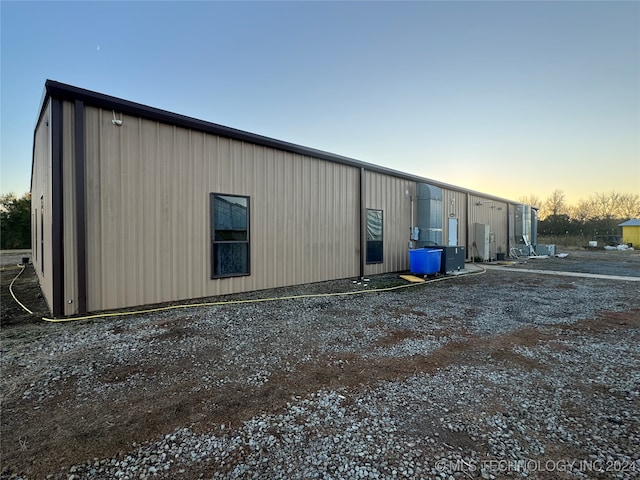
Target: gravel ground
[603, 262]
[499, 375]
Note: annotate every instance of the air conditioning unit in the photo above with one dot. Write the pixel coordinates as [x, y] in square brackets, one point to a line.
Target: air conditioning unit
[452, 259]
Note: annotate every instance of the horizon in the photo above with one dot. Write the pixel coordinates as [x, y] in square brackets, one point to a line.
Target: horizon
[508, 99]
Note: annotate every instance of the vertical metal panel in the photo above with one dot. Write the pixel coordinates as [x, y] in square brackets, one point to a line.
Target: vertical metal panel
[454, 205]
[57, 205]
[363, 221]
[148, 186]
[500, 225]
[389, 194]
[511, 226]
[114, 210]
[165, 199]
[493, 213]
[69, 223]
[94, 220]
[126, 148]
[134, 184]
[147, 246]
[41, 188]
[198, 218]
[80, 213]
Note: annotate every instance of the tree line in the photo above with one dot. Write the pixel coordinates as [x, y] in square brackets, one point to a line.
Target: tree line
[598, 215]
[15, 221]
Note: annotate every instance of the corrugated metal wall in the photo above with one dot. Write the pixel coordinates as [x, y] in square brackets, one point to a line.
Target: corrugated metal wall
[389, 194]
[454, 204]
[512, 227]
[41, 188]
[493, 213]
[148, 220]
[631, 234]
[148, 213]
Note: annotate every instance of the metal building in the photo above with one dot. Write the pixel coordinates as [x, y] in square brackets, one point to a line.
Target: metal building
[133, 205]
[631, 232]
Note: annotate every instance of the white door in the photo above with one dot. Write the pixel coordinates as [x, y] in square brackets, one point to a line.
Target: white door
[453, 231]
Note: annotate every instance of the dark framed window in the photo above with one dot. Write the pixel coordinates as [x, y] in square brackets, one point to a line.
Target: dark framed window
[374, 236]
[229, 235]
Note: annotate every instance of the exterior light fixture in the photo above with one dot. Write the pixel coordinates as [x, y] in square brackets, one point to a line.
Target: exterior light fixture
[115, 121]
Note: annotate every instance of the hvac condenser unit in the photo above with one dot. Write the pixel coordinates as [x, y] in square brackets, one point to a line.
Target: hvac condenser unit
[452, 259]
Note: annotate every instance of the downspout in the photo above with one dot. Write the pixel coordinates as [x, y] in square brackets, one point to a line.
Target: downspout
[509, 212]
[411, 223]
[363, 223]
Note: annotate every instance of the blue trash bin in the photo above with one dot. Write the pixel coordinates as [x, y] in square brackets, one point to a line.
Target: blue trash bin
[423, 261]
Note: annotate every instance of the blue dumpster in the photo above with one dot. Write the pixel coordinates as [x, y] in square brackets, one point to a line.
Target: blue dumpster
[425, 261]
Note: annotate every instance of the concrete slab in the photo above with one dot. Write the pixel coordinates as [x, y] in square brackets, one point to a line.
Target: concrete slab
[564, 274]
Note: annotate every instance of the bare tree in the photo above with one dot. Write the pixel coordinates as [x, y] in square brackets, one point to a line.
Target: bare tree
[532, 200]
[583, 211]
[599, 214]
[628, 206]
[554, 205]
[604, 205]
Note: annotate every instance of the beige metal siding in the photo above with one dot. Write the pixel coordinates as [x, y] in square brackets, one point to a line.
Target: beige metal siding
[454, 204]
[41, 188]
[493, 213]
[148, 213]
[389, 194]
[512, 227]
[69, 210]
[500, 224]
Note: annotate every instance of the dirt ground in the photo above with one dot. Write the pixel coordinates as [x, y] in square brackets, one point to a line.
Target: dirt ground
[79, 392]
[603, 262]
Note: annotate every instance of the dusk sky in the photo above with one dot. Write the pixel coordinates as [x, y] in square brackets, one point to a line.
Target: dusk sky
[508, 98]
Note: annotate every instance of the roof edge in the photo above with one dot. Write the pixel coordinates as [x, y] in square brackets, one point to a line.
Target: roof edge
[632, 222]
[69, 92]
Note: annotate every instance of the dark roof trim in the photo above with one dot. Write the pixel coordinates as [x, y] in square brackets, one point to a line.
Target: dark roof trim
[69, 92]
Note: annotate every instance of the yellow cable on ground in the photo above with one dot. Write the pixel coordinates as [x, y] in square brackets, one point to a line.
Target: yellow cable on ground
[230, 302]
[11, 290]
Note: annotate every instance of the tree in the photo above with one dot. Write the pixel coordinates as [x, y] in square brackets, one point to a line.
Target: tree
[554, 205]
[556, 202]
[604, 205]
[599, 215]
[531, 200]
[15, 221]
[629, 206]
[582, 212]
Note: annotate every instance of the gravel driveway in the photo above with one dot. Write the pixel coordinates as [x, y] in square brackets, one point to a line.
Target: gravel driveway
[497, 375]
